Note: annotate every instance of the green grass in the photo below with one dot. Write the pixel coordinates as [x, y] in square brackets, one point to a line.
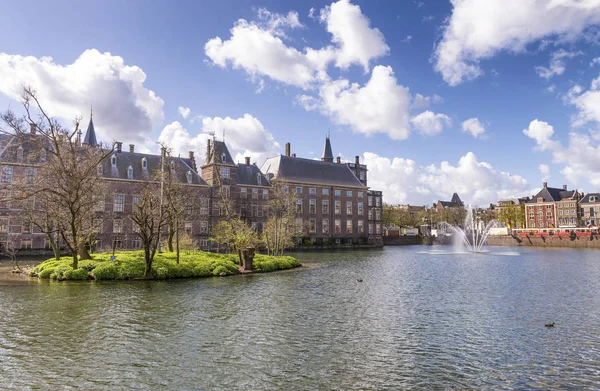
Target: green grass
[130, 265]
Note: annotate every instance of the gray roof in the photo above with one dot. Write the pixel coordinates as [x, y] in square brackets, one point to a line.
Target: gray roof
[327, 154]
[456, 200]
[135, 160]
[249, 174]
[90, 135]
[586, 199]
[295, 169]
[553, 194]
[218, 148]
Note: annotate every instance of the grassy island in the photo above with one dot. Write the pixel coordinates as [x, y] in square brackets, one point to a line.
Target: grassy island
[130, 265]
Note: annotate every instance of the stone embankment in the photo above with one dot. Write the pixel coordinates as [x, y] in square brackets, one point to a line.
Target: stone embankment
[401, 240]
[547, 241]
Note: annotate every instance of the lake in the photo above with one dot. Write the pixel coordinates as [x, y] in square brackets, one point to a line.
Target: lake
[416, 321]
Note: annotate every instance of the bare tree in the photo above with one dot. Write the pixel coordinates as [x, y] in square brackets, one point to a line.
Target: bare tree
[67, 178]
[9, 249]
[281, 225]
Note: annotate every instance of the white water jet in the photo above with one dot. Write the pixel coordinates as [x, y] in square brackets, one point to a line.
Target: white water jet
[472, 237]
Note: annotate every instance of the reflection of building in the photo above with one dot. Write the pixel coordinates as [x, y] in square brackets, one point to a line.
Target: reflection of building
[552, 208]
[589, 210]
[334, 201]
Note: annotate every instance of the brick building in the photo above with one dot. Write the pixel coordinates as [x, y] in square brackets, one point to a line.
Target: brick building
[552, 208]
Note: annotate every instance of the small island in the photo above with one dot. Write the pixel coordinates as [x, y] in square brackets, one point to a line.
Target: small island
[129, 265]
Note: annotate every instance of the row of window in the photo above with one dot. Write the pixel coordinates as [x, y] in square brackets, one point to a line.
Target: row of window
[312, 208]
[6, 175]
[255, 193]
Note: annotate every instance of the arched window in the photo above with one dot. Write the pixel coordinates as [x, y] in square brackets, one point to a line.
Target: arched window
[223, 157]
[129, 172]
[20, 153]
[144, 164]
[258, 178]
[113, 160]
[189, 177]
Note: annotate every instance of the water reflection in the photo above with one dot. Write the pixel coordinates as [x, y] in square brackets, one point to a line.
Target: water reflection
[418, 321]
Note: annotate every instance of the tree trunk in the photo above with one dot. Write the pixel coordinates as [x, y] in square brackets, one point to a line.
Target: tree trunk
[170, 239]
[177, 241]
[74, 264]
[54, 246]
[148, 271]
[84, 253]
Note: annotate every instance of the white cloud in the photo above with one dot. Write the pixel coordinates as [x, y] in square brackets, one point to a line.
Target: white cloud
[98, 79]
[422, 102]
[380, 106]
[311, 13]
[479, 29]
[557, 64]
[245, 136]
[545, 171]
[595, 61]
[477, 183]
[407, 39]
[580, 156]
[588, 103]
[276, 23]
[427, 18]
[473, 126]
[430, 123]
[184, 111]
[357, 42]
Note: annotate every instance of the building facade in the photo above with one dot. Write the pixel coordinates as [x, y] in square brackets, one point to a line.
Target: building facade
[552, 208]
[589, 210]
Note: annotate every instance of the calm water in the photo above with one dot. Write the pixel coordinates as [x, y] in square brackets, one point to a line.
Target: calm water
[417, 321]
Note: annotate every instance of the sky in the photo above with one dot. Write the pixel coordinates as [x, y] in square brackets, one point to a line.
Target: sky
[486, 98]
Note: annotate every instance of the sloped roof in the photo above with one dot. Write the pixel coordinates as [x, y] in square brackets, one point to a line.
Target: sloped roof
[327, 154]
[586, 199]
[218, 148]
[249, 174]
[295, 169]
[456, 200]
[127, 159]
[553, 194]
[90, 135]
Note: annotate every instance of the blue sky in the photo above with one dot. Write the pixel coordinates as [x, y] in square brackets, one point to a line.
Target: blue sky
[393, 81]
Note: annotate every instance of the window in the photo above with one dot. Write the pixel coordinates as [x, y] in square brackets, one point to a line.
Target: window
[325, 191]
[254, 209]
[3, 224]
[377, 201]
[349, 207]
[203, 226]
[100, 205]
[225, 191]
[325, 206]
[299, 190]
[265, 194]
[286, 189]
[259, 210]
[338, 193]
[136, 243]
[223, 157]
[338, 226]
[144, 164]
[592, 199]
[370, 201]
[27, 228]
[338, 207]
[26, 243]
[548, 213]
[259, 179]
[312, 226]
[298, 206]
[188, 176]
[312, 191]
[187, 226]
[299, 225]
[113, 160]
[540, 199]
[370, 214]
[7, 174]
[361, 227]
[349, 226]
[136, 199]
[363, 176]
[204, 206]
[370, 229]
[360, 194]
[99, 171]
[30, 175]
[349, 193]
[43, 155]
[225, 172]
[243, 193]
[325, 226]
[360, 208]
[312, 206]
[119, 202]
[377, 215]
[117, 226]
[129, 172]
[254, 194]
[560, 212]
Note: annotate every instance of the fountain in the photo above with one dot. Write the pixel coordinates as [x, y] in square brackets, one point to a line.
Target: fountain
[474, 234]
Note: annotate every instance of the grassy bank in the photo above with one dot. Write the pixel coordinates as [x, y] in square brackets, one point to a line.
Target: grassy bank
[130, 265]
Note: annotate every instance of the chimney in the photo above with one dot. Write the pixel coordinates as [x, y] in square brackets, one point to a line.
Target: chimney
[247, 160]
[545, 185]
[119, 146]
[32, 128]
[193, 160]
[338, 160]
[131, 148]
[293, 155]
[564, 187]
[288, 148]
[207, 150]
[357, 160]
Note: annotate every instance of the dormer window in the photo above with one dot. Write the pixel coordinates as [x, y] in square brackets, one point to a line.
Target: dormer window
[189, 177]
[113, 160]
[223, 158]
[20, 153]
[43, 155]
[592, 198]
[144, 164]
[100, 171]
[129, 172]
[540, 199]
[258, 179]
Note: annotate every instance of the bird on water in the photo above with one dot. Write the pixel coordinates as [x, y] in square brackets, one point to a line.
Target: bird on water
[549, 325]
[359, 280]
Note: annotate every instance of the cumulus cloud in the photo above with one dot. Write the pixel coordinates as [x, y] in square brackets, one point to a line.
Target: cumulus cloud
[381, 105]
[479, 29]
[422, 102]
[545, 171]
[557, 64]
[478, 183]
[94, 79]
[580, 156]
[430, 123]
[245, 136]
[184, 111]
[473, 126]
[587, 102]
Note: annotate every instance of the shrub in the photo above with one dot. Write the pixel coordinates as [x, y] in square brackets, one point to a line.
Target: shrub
[220, 269]
[105, 271]
[77, 274]
[45, 273]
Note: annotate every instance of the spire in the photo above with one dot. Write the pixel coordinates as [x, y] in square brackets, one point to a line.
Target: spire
[90, 134]
[327, 154]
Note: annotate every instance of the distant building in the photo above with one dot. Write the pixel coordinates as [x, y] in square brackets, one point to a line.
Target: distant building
[589, 210]
[552, 208]
[455, 202]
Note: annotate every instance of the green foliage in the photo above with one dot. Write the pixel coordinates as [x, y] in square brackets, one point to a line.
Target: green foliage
[130, 265]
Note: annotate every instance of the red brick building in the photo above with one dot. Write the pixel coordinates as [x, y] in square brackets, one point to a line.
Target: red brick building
[552, 208]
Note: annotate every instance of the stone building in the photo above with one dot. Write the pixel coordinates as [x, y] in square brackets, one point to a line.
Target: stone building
[552, 208]
[334, 202]
[589, 210]
[455, 202]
